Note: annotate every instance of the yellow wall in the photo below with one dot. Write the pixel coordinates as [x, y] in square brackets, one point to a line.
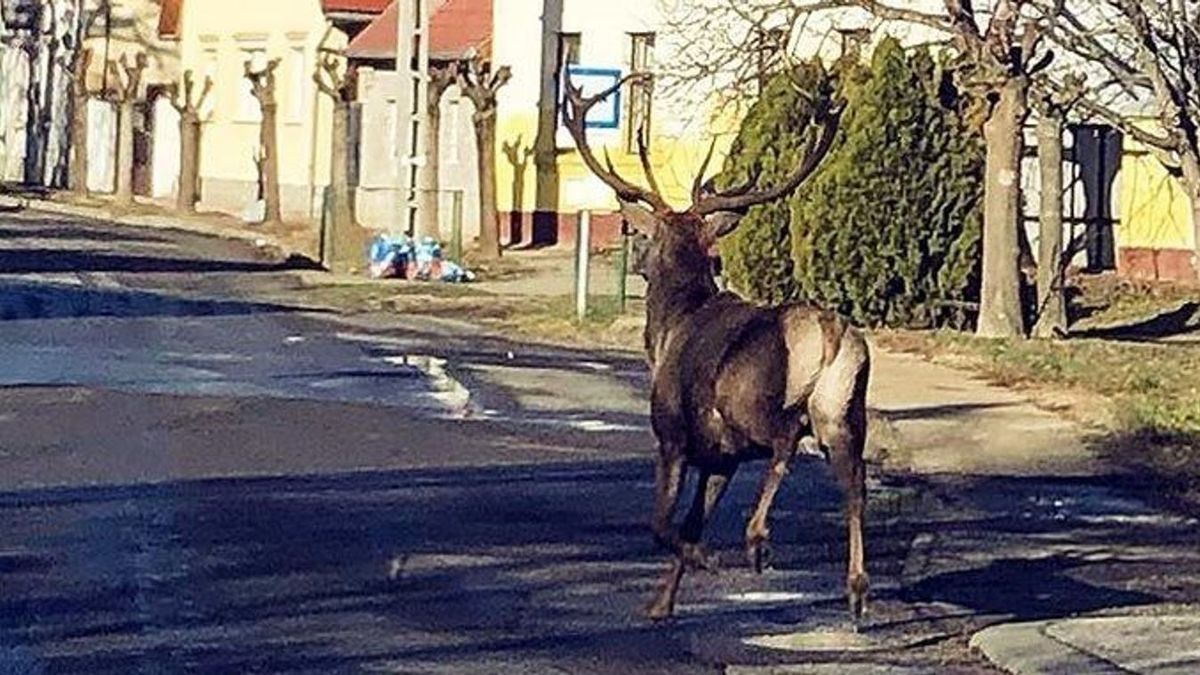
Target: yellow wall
[675, 160]
[1155, 211]
[225, 27]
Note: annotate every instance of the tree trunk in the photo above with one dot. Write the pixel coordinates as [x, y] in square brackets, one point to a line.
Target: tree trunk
[1051, 270]
[186, 195]
[545, 145]
[428, 211]
[1191, 183]
[489, 223]
[270, 149]
[124, 193]
[77, 176]
[1000, 297]
[345, 244]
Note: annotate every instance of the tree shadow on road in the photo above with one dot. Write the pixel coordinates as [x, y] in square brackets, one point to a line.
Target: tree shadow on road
[45, 261]
[23, 300]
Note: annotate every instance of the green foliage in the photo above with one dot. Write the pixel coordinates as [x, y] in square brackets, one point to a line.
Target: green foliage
[756, 257]
[888, 229]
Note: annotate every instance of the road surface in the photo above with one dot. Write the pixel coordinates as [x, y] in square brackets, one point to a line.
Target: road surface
[196, 479]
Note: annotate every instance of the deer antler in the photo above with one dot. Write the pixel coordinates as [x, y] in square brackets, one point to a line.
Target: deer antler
[574, 116]
[741, 197]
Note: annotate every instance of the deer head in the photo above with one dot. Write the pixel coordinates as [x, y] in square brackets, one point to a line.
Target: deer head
[681, 239]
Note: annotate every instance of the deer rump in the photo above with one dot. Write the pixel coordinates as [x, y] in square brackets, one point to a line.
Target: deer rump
[733, 381]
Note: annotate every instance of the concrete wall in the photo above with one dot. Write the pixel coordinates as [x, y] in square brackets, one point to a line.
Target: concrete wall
[14, 76]
[376, 197]
[217, 36]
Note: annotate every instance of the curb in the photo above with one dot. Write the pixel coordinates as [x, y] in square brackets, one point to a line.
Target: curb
[1028, 649]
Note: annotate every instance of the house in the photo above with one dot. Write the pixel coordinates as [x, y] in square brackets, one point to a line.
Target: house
[109, 31]
[612, 38]
[215, 39]
[457, 29]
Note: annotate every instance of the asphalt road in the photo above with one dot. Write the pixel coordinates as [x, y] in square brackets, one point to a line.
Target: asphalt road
[194, 479]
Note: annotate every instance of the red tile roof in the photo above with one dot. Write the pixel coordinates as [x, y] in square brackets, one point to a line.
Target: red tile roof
[357, 6]
[456, 27]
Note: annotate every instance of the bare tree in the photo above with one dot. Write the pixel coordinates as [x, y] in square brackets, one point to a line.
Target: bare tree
[1143, 56]
[480, 83]
[336, 80]
[126, 92]
[188, 106]
[78, 172]
[441, 76]
[1052, 108]
[262, 86]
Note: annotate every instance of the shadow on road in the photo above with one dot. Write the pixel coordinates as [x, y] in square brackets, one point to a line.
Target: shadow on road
[42, 261]
[22, 300]
[543, 565]
[65, 233]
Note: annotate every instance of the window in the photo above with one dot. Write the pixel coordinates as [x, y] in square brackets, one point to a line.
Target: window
[297, 94]
[248, 107]
[208, 72]
[638, 104]
[454, 120]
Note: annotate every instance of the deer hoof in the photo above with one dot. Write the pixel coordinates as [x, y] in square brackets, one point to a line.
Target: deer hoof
[758, 552]
[856, 594]
[659, 610]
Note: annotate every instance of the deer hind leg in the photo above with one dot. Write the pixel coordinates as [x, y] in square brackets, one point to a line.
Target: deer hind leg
[839, 411]
[690, 554]
[789, 428]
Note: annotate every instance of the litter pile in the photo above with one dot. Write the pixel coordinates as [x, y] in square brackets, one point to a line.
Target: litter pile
[403, 257]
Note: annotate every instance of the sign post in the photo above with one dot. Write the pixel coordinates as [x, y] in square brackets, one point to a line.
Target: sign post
[582, 237]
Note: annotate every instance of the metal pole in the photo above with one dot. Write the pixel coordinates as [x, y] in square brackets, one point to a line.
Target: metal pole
[324, 254]
[456, 224]
[622, 271]
[582, 237]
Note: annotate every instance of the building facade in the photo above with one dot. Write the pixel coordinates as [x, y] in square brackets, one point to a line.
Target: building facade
[216, 38]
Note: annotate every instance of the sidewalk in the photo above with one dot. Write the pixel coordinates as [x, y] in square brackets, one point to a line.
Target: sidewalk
[1158, 645]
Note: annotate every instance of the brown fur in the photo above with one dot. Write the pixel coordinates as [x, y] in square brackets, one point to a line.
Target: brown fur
[734, 382]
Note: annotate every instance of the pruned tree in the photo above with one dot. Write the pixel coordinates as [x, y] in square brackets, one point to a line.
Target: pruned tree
[188, 105]
[1143, 60]
[1052, 106]
[480, 83]
[442, 75]
[336, 80]
[77, 174]
[126, 92]
[262, 86]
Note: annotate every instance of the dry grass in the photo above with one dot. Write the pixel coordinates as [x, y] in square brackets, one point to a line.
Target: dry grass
[1145, 398]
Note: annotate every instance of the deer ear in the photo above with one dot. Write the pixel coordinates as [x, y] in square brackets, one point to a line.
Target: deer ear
[721, 223]
[640, 218]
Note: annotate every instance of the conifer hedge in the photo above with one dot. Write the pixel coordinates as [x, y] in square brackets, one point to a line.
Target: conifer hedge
[888, 229]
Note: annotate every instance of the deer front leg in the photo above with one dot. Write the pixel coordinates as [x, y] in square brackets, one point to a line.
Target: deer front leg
[709, 490]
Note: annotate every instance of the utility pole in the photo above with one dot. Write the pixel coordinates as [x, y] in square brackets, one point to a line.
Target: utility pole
[412, 68]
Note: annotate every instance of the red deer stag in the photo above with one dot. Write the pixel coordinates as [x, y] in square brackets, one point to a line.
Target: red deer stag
[732, 381]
